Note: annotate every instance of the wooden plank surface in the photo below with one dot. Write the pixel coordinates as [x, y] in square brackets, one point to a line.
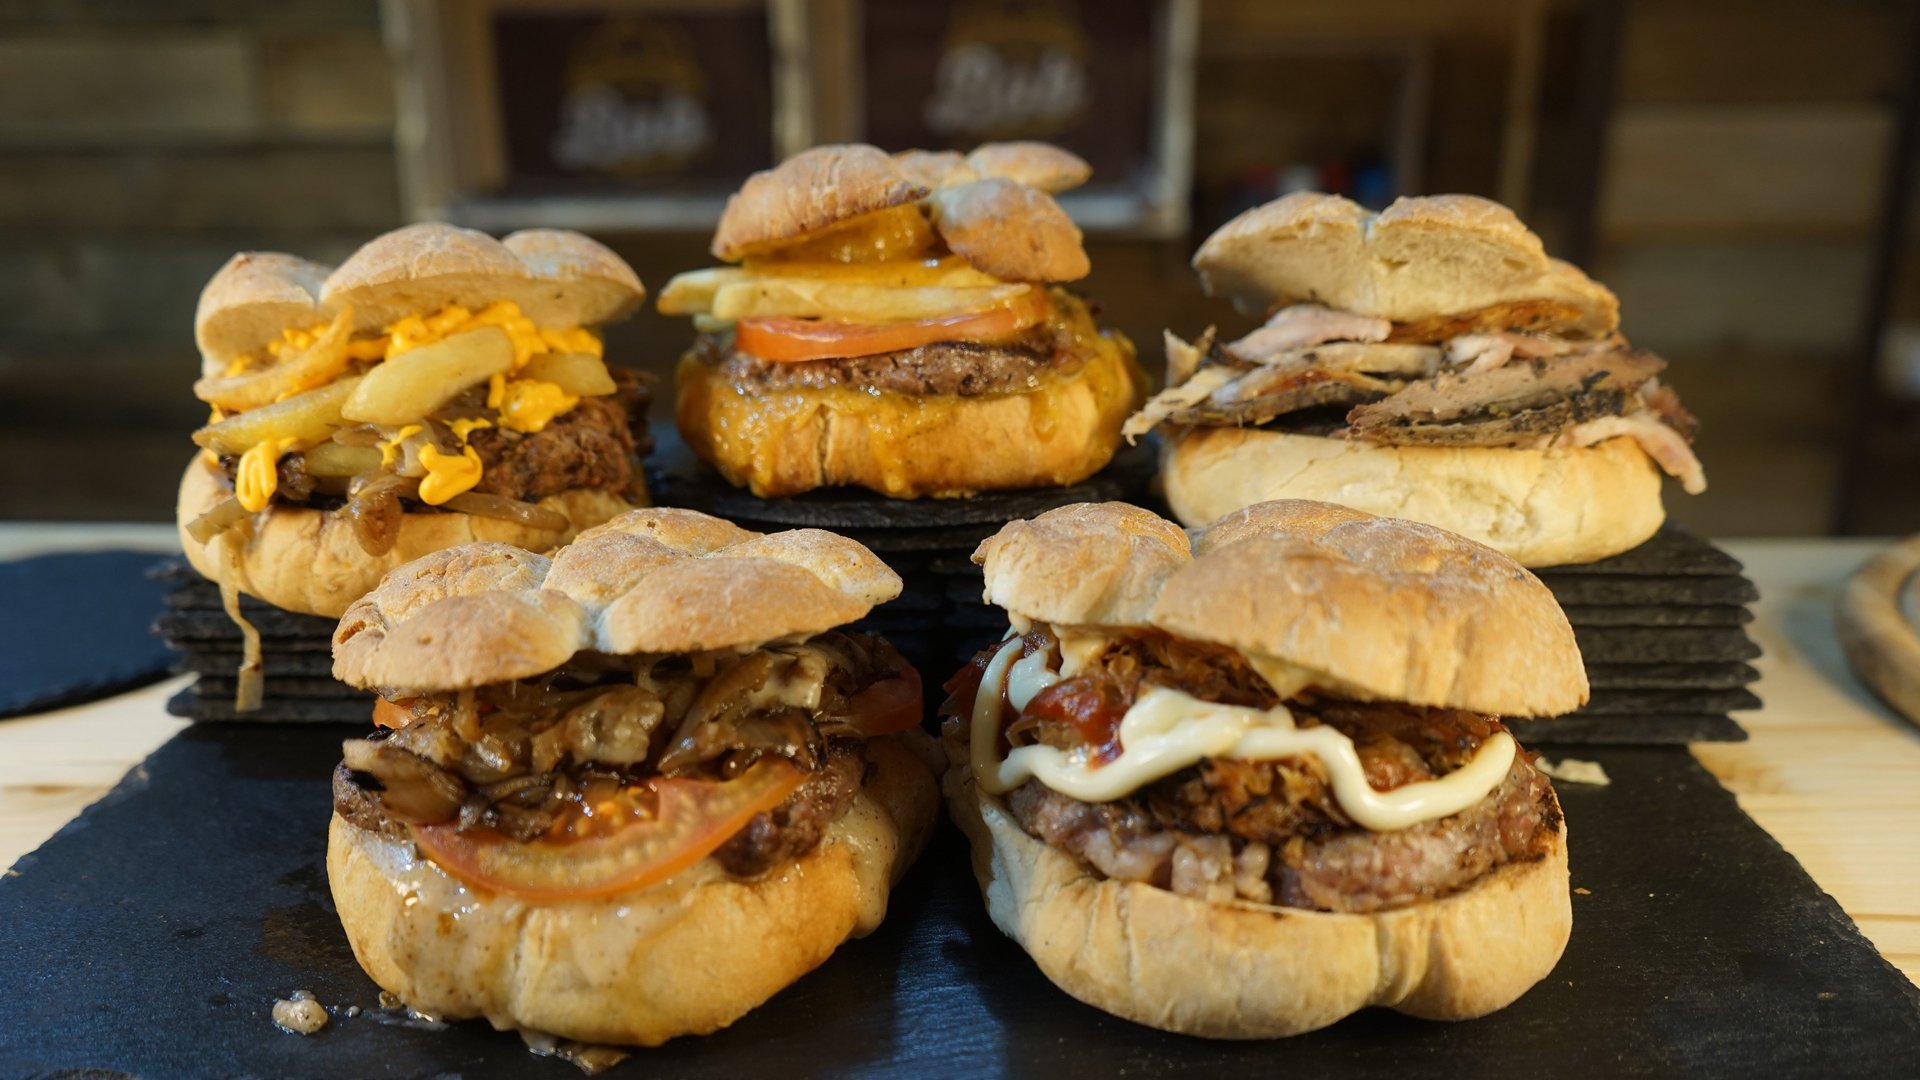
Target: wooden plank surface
[1830, 772]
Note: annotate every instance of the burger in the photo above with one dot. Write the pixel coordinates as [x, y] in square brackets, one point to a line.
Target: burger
[896, 323]
[1245, 785]
[630, 791]
[438, 387]
[1429, 362]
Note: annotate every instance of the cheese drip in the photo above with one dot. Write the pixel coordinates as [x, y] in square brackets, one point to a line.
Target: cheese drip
[1166, 730]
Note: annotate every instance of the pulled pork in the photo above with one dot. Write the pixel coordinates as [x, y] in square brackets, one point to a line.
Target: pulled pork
[1500, 378]
[521, 758]
[1267, 831]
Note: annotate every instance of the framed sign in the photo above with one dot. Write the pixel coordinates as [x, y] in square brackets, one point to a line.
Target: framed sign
[1111, 80]
[636, 114]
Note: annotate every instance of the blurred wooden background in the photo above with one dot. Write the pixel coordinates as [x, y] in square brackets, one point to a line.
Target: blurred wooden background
[1726, 165]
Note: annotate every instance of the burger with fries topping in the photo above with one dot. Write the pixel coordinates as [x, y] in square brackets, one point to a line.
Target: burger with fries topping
[438, 387]
[896, 323]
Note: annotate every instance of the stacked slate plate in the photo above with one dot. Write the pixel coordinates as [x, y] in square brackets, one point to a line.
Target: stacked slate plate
[1663, 632]
[939, 619]
[296, 650]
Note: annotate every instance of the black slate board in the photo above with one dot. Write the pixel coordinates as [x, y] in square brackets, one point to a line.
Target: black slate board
[1581, 730]
[151, 935]
[89, 636]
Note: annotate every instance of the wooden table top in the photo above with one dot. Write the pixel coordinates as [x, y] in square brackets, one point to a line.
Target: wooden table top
[1830, 772]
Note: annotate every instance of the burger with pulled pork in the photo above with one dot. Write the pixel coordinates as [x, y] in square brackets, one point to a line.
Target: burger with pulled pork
[630, 791]
[1243, 784]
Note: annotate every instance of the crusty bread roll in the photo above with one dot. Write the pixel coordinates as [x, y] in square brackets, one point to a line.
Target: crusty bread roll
[1240, 970]
[992, 207]
[1420, 258]
[1380, 608]
[1014, 232]
[656, 581]
[309, 561]
[907, 447]
[686, 956]
[1362, 607]
[559, 279]
[1539, 507]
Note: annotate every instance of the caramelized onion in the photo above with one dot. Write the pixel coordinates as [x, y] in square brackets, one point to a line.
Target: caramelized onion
[373, 506]
[499, 506]
[251, 680]
[215, 521]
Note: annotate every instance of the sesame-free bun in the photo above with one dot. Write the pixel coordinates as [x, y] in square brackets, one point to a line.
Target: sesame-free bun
[310, 561]
[1371, 607]
[1238, 970]
[558, 278]
[1539, 507]
[686, 956]
[649, 581]
[1422, 258]
[1009, 230]
[792, 441]
[1035, 164]
[808, 192]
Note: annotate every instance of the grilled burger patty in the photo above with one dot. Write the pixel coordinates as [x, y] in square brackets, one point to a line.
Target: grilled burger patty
[951, 368]
[514, 758]
[597, 444]
[1271, 831]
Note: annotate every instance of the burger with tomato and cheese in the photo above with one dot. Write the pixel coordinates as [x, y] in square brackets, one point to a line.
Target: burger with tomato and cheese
[895, 323]
[1429, 362]
[1244, 783]
[438, 387]
[629, 791]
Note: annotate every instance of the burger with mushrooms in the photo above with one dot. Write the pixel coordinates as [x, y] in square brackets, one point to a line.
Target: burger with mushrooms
[1429, 362]
[1243, 784]
[629, 791]
[896, 323]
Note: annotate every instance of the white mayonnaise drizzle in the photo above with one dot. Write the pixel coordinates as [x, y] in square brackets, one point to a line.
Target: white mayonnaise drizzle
[1166, 730]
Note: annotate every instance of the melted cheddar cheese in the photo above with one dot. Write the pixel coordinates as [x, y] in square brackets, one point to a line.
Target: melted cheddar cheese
[447, 474]
[257, 476]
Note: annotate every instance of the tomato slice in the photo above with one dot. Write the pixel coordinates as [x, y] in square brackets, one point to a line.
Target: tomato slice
[789, 340]
[392, 714]
[692, 818]
[889, 706]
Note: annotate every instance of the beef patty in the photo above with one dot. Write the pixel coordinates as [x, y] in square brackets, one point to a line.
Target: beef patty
[1272, 831]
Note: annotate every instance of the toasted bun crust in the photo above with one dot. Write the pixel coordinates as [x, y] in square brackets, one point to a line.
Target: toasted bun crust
[1420, 258]
[810, 191]
[1035, 164]
[648, 581]
[1377, 607]
[558, 278]
[934, 169]
[685, 957]
[1538, 507]
[909, 447]
[1009, 230]
[309, 561]
[1246, 971]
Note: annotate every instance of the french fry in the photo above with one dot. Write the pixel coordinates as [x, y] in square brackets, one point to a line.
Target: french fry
[824, 298]
[307, 418]
[692, 292]
[415, 383]
[321, 363]
[579, 374]
[332, 459]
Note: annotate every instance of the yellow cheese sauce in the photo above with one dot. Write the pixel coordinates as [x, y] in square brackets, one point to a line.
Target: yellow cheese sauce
[739, 428]
[257, 476]
[1166, 730]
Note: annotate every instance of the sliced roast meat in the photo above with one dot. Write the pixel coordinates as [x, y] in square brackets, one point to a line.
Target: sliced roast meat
[1299, 326]
[1508, 389]
[1523, 428]
[1660, 441]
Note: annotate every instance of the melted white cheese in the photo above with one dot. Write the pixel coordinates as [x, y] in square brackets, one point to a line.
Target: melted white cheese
[1166, 730]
